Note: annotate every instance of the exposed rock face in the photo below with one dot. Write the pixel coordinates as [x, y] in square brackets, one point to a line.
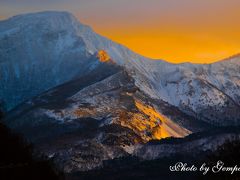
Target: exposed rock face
[103, 56]
[153, 122]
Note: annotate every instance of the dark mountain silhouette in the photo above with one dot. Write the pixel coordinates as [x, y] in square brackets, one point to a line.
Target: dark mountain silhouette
[16, 159]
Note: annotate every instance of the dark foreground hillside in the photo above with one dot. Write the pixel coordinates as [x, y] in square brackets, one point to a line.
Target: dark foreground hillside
[131, 168]
[16, 161]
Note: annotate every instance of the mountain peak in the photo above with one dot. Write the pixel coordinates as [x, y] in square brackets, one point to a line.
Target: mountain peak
[51, 19]
[43, 14]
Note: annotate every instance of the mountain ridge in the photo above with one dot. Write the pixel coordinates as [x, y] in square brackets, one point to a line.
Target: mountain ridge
[65, 47]
[64, 51]
[48, 13]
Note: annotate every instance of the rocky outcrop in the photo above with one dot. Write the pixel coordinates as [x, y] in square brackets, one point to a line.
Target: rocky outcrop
[81, 125]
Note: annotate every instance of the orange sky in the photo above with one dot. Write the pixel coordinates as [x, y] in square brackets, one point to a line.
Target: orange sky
[176, 46]
[199, 31]
[192, 30]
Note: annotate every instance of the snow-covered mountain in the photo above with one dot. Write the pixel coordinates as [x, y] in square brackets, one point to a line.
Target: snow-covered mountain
[88, 99]
[104, 111]
[42, 50]
[39, 51]
[209, 92]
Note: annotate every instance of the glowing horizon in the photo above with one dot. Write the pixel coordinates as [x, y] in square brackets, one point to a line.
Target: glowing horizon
[196, 31]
